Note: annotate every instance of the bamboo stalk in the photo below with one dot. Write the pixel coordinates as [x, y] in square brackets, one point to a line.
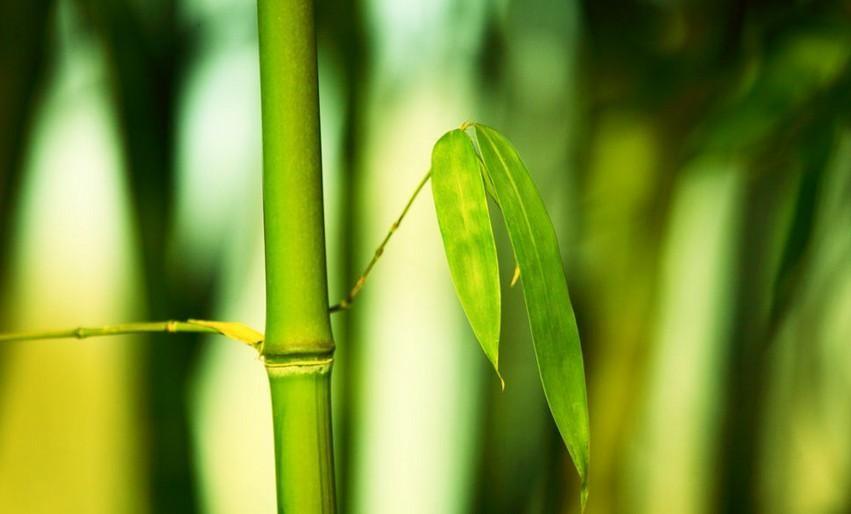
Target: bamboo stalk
[301, 412]
[299, 346]
[296, 293]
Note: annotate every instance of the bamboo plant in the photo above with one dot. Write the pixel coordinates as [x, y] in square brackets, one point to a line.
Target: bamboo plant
[469, 165]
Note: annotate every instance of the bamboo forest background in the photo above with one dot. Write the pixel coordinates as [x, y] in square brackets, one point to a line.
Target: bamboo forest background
[695, 157]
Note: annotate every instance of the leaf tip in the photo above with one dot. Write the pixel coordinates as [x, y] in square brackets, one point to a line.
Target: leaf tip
[493, 358]
[583, 495]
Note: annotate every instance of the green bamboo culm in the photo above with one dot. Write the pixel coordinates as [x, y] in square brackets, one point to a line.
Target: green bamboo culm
[298, 349]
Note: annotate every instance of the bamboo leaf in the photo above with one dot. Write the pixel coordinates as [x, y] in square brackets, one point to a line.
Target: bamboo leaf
[462, 213]
[553, 325]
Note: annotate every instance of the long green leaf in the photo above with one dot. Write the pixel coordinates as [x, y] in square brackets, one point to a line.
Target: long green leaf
[551, 317]
[462, 213]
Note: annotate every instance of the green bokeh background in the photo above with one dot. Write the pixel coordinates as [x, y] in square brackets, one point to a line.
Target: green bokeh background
[696, 160]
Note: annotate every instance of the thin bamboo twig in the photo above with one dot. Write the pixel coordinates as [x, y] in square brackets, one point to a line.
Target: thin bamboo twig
[346, 302]
[235, 331]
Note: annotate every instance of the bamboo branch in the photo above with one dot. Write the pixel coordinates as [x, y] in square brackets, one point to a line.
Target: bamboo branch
[235, 331]
[346, 302]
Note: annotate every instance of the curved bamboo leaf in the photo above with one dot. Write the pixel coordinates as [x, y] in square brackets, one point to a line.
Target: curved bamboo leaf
[551, 317]
[462, 213]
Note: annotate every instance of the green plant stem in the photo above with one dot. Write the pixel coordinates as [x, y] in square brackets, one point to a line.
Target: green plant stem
[301, 409]
[171, 327]
[299, 346]
[296, 292]
[346, 302]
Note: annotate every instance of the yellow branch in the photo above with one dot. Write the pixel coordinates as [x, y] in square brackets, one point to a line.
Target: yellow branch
[235, 331]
